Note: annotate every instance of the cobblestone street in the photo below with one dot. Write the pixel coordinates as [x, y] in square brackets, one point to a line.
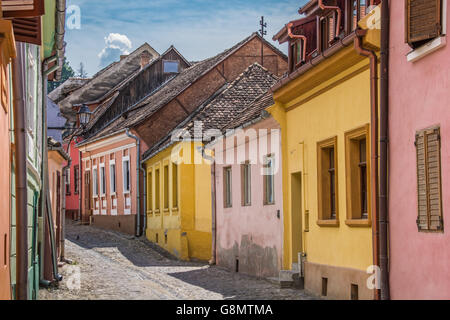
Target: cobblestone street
[116, 266]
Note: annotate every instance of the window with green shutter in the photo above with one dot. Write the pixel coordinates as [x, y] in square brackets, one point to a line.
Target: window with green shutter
[428, 146]
[423, 21]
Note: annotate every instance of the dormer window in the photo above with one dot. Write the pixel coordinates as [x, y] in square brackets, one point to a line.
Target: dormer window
[327, 31]
[297, 52]
[171, 66]
[358, 10]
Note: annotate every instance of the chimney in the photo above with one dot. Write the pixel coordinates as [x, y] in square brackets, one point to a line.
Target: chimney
[145, 59]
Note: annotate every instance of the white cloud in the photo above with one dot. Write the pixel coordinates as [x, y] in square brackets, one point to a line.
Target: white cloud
[116, 44]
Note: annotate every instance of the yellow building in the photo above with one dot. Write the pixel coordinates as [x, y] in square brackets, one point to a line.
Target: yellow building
[179, 202]
[324, 109]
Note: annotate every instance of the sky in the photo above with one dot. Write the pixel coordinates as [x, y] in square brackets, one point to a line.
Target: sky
[99, 31]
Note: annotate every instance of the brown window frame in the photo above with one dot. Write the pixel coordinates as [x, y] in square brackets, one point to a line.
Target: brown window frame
[325, 172]
[427, 167]
[76, 179]
[353, 166]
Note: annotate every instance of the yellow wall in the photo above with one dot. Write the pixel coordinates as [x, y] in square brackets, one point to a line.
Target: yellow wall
[188, 227]
[327, 101]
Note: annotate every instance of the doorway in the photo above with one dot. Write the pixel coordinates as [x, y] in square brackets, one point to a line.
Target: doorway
[296, 216]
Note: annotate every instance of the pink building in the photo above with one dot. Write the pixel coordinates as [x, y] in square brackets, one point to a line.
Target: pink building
[249, 200]
[73, 182]
[419, 199]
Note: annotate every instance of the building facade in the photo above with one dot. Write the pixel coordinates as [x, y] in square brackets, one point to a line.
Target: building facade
[249, 200]
[324, 110]
[419, 136]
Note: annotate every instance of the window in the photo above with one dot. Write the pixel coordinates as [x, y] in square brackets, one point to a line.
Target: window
[95, 181]
[157, 190]
[166, 187]
[357, 176]
[327, 175]
[175, 185]
[112, 178]
[246, 179]
[76, 179]
[68, 181]
[149, 191]
[228, 201]
[102, 180]
[297, 54]
[358, 10]
[428, 147]
[126, 175]
[269, 179]
[171, 66]
[424, 21]
[327, 31]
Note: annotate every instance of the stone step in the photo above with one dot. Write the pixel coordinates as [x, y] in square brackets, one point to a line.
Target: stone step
[288, 279]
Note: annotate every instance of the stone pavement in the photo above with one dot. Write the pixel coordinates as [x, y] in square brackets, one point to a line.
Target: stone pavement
[109, 265]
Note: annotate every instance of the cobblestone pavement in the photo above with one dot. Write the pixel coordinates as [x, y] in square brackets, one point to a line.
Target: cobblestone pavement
[117, 266]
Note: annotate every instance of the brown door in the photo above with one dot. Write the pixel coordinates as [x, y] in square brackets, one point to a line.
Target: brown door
[87, 195]
[58, 213]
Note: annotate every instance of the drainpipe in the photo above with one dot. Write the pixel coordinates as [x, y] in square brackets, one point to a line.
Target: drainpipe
[339, 13]
[384, 149]
[20, 163]
[63, 223]
[138, 169]
[45, 203]
[295, 36]
[374, 144]
[213, 260]
[144, 224]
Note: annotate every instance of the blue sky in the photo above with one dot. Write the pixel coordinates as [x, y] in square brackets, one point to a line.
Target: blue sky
[198, 28]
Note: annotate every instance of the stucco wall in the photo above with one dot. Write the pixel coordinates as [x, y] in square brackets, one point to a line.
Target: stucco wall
[251, 234]
[419, 98]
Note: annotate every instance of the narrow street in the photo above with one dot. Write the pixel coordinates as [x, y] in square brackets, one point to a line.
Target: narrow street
[116, 266]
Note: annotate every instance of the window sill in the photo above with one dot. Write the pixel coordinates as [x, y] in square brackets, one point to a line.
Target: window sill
[358, 223]
[126, 192]
[269, 203]
[427, 49]
[328, 223]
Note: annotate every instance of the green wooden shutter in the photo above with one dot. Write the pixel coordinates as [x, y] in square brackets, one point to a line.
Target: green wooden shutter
[422, 20]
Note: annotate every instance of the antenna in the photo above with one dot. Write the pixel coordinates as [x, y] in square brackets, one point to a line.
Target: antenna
[263, 31]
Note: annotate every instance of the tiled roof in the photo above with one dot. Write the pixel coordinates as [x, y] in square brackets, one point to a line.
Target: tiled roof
[225, 107]
[171, 90]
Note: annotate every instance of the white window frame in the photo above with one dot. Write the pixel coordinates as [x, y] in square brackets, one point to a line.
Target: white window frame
[228, 185]
[112, 177]
[269, 177]
[95, 182]
[125, 160]
[102, 180]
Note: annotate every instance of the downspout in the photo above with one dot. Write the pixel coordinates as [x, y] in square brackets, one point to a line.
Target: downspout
[63, 223]
[138, 169]
[46, 71]
[373, 144]
[144, 223]
[20, 163]
[213, 260]
[339, 13]
[295, 36]
[384, 150]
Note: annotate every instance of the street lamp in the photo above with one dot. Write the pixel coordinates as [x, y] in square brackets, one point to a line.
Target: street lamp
[84, 115]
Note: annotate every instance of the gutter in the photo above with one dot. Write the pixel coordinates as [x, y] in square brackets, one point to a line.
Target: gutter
[59, 37]
[20, 161]
[374, 178]
[138, 169]
[384, 152]
[345, 42]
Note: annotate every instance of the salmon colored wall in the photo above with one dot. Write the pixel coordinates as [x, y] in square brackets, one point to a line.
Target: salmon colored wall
[55, 166]
[72, 199]
[5, 222]
[419, 98]
[257, 222]
[117, 149]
